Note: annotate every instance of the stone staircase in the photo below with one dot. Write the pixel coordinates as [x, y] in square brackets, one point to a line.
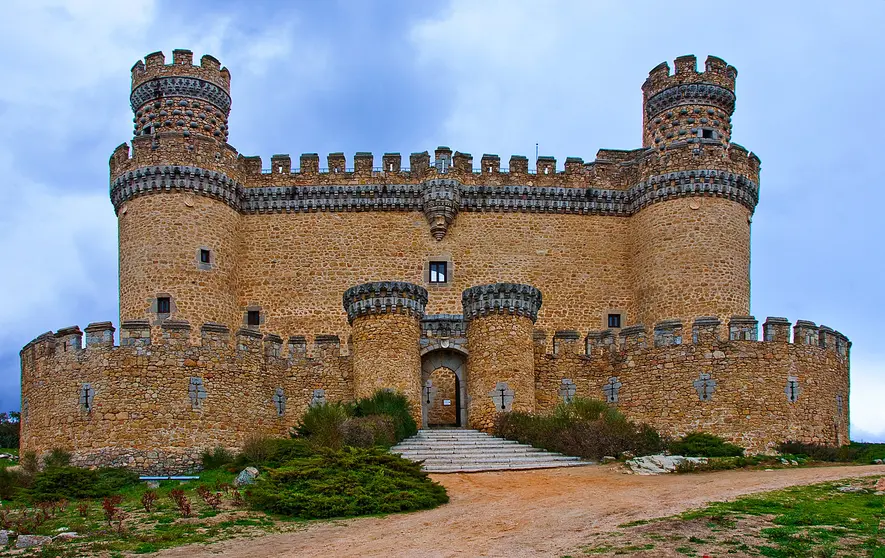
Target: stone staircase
[469, 451]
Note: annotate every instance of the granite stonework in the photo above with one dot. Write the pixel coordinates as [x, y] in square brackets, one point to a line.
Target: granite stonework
[239, 285]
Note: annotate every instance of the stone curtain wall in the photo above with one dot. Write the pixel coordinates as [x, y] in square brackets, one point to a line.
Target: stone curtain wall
[748, 403]
[147, 412]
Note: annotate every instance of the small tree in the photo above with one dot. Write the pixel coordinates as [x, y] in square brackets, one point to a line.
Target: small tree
[9, 429]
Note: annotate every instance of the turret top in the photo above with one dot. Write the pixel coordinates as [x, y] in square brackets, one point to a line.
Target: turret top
[716, 72]
[154, 66]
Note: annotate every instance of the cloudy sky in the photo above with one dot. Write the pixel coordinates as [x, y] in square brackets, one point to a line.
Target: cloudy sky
[478, 76]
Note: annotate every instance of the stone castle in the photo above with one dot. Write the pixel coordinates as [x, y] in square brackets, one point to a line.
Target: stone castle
[249, 293]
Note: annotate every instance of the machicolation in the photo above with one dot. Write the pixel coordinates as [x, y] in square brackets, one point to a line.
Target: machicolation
[248, 293]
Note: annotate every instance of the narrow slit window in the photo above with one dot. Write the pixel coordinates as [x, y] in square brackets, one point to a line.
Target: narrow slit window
[438, 272]
[164, 305]
[253, 318]
[205, 256]
[614, 321]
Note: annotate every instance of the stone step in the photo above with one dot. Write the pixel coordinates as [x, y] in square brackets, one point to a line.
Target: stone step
[417, 456]
[499, 459]
[500, 467]
[456, 445]
[467, 450]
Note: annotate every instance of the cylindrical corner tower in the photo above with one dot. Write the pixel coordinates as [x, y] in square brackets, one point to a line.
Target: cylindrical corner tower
[175, 199]
[500, 322]
[688, 104]
[690, 233]
[385, 319]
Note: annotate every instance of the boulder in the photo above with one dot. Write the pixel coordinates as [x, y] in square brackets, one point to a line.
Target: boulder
[608, 459]
[659, 464]
[851, 488]
[67, 536]
[29, 541]
[880, 485]
[153, 485]
[246, 476]
[878, 461]
[4, 538]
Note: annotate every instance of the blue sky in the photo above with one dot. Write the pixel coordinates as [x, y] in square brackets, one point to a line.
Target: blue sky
[478, 76]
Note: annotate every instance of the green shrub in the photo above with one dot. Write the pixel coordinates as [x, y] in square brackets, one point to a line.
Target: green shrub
[392, 404]
[256, 450]
[29, 463]
[57, 458]
[216, 458]
[855, 452]
[701, 444]
[10, 483]
[9, 429]
[271, 452]
[321, 425]
[73, 482]
[586, 428]
[370, 431]
[347, 482]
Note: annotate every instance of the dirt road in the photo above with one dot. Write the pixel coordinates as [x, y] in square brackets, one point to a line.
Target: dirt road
[515, 514]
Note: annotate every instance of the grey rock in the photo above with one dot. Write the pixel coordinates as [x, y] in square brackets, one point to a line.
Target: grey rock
[608, 459]
[153, 485]
[4, 538]
[851, 488]
[67, 536]
[29, 541]
[878, 461]
[246, 476]
[659, 464]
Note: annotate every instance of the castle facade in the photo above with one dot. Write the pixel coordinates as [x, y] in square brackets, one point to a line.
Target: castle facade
[248, 293]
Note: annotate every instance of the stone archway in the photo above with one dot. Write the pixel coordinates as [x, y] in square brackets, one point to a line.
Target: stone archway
[444, 400]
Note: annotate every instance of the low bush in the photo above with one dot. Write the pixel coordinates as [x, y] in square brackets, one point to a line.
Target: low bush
[10, 482]
[391, 404]
[57, 458]
[701, 444]
[9, 429]
[346, 482]
[370, 431]
[321, 425]
[855, 452]
[271, 452]
[72, 482]
[586, 428]
[216, 458]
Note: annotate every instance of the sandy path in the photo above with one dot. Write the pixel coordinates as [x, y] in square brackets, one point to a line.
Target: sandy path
[522, 513]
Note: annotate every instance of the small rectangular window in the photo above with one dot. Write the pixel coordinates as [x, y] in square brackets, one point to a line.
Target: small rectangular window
[164, 305]
[253, 318]
[204, 256]
[614, 320]
[707, 133]
[438, 272]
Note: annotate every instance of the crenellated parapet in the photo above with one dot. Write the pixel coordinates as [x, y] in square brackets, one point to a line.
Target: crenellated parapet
[756, 393]
[156, 400]
[501, 298]
[384, 297]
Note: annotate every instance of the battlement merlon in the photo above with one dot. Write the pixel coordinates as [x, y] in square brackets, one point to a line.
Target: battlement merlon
[136, 336]
[716, 72]
[154, 66]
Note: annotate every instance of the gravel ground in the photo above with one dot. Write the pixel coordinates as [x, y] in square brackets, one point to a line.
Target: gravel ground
[548, 512]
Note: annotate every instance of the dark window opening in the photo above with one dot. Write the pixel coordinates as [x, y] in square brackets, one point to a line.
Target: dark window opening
[204, 256]
[614, 320]
[253, 318]
[164, 305]
[707, 133]
[438, 272]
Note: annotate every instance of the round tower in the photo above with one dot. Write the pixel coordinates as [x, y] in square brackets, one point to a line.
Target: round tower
[688, 104]
[501, 368]
[696, 196]
[176, 195]
[385, 319]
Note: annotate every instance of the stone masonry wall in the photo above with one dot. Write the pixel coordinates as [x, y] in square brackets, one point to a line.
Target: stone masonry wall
[146, 410]
[748, 403]
[386, 355]
[500, 351]
[439, 414]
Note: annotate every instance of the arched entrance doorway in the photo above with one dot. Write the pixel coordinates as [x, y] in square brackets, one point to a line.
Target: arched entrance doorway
[444, 393]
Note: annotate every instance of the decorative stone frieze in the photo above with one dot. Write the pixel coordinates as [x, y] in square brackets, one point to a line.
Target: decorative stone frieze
[501, 298]
[383, 297]
[177, 86]
[691, 94]
[441, 201]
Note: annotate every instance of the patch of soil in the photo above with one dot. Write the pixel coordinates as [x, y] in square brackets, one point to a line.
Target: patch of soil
[549, 512]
